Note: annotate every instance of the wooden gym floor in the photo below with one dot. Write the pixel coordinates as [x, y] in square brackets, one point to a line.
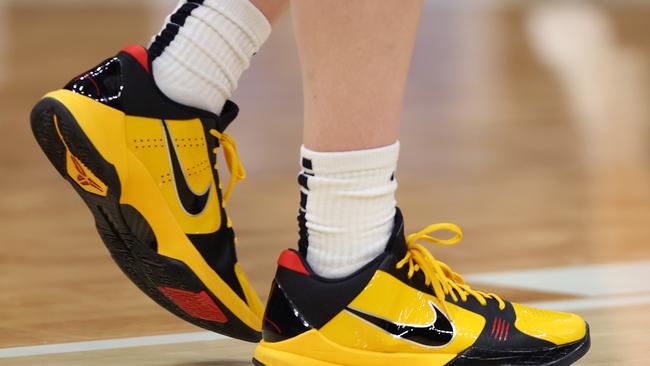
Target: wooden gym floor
[526, 125]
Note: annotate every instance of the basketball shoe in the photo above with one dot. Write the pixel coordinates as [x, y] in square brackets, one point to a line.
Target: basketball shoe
[406, 308]
[146, 167]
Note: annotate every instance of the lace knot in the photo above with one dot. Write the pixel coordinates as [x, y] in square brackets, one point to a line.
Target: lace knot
[436, 273]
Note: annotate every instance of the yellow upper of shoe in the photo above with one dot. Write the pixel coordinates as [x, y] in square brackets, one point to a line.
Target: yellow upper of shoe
[389, 298]
[145, 138]
[553, 326]
[404, 305]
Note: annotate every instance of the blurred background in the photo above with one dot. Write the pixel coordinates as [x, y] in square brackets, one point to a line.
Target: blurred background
[525, 122]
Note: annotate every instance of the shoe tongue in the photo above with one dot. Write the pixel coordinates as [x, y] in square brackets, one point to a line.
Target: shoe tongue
[397, 243]
[228, 114]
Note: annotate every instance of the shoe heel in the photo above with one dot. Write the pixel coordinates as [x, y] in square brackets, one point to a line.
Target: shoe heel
[46, 134]
[70, 151]
[282, 320]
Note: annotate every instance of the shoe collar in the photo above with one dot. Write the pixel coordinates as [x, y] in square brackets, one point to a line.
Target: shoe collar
[396, 247]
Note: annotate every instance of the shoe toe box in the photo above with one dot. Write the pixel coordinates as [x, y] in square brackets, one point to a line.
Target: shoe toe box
[552, 326]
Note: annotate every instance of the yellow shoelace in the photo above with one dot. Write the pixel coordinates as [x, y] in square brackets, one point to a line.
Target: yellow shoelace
[436, 273]
[231, 156]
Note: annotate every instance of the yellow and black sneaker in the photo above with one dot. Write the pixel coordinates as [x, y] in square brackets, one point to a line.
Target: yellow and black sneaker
[406, 308]
[146, 167]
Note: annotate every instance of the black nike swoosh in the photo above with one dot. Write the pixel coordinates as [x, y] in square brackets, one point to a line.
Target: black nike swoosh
[193, 203]
[436, 334]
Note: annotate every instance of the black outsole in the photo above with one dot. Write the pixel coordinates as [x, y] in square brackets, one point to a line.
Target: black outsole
[563, 355]
[138, 260]
[577, 354]
[577, 351]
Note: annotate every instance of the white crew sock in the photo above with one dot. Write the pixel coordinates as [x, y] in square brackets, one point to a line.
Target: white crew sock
[347, 207]
[203, 49]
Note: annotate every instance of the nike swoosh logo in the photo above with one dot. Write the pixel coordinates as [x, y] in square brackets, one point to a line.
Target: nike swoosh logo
[192, 202]
[436, 334]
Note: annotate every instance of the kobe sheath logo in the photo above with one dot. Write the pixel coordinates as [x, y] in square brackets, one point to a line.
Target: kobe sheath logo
[438, 333]
[192, 202]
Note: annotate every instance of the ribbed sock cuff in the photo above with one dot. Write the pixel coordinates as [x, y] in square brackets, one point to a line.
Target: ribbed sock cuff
[248, 17]
[351, 161]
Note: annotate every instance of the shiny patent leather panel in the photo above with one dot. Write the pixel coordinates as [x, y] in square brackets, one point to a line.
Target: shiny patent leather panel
[103, 83]
[282, 320]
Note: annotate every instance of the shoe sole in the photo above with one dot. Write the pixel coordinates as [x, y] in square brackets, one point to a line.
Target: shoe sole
[279, 358]
[167, 281]
[564, 355]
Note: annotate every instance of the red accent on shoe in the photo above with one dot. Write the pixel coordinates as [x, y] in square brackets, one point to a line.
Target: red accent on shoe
[140, 54]
[290, 260]
[82, 177]
[196, 304]
[500, 325]
[273, 324]
[502, 329]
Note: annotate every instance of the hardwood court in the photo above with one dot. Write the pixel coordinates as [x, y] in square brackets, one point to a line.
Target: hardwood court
[526, 125]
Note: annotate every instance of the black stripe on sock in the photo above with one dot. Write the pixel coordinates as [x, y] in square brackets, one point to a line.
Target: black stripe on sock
[306, 163]
[302, 180]
[169, 33]
[303, 200]
[303, 242]
[181, 15]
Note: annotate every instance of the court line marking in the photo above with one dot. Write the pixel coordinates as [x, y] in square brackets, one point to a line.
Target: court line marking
[604, 279]
[108, 344]
[592, 303]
